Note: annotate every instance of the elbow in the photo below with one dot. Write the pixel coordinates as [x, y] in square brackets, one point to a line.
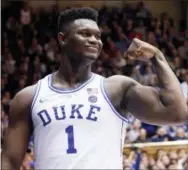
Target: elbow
[184, 117]
[8, 163]
[181, 116]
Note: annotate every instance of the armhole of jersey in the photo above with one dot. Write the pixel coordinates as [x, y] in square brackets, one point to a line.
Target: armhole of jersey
[109, 102]
[122, 138]
[35, 95]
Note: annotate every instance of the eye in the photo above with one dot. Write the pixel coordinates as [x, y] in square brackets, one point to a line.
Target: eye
[85, 34]
[98, 36]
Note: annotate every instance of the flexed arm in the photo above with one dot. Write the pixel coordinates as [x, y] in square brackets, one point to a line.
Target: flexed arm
[166, 106]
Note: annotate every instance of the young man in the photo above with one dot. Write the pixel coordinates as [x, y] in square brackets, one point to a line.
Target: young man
[77, 116]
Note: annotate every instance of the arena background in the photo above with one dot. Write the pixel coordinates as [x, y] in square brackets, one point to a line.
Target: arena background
[29, 51]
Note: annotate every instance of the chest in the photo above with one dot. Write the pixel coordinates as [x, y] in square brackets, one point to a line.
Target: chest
[69, 108]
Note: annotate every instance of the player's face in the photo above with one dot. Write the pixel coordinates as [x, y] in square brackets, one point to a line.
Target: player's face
[85, 39]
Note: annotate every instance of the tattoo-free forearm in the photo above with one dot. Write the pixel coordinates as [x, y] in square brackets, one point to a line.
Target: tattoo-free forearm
[170, 93]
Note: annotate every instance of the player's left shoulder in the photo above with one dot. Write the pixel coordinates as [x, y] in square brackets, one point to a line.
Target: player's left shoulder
[116, 87]
[119, 81]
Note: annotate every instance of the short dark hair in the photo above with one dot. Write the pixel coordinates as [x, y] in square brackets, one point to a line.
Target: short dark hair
[72, 14]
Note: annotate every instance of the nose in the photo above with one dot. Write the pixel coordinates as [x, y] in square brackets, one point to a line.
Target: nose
[93, 40]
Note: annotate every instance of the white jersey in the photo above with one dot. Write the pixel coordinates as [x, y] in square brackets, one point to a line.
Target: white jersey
[77, 128]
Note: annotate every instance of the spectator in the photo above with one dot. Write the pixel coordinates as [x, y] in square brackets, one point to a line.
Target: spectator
[122, 43]
[165, 160]
[141, 11]
[180, 134]
[25, 14]
[161, 135]
[118, 61]
[142, 136]
[136, 75]
[36, 49]
[151, 38]
[148, 76]
[134, 132]
[183, 51]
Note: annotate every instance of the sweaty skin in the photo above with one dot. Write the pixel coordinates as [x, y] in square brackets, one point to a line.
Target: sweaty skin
[81, 47]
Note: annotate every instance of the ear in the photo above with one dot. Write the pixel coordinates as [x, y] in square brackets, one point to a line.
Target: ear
[62, 38]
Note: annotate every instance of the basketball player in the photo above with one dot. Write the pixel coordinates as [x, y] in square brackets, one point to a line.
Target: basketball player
[77, 116]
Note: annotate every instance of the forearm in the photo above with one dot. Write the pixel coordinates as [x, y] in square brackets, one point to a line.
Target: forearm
[7, 164]
[170, 94]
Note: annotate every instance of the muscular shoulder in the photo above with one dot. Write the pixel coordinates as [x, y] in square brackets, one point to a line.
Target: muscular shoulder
[19, 112]
[120, 79]
[116, 86]
[119, 82]
[23, 98]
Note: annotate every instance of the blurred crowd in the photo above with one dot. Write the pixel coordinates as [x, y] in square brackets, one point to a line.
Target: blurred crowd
[30, 51]
[162, 160]
[139, 132]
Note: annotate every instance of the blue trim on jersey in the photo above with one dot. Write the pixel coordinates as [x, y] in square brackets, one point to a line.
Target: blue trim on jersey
[67, 91]
[35, 95]
[109, 102]
[121, 147]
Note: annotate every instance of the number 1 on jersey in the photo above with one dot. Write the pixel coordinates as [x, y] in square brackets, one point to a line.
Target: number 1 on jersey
[71, 149]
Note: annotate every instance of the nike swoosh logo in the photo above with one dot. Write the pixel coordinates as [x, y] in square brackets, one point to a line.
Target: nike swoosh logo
[52, 96]
[44, 99]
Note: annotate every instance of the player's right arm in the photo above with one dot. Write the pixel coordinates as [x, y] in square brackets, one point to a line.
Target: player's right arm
[19, 130]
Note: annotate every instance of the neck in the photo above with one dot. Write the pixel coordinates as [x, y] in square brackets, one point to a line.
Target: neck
[73, 71]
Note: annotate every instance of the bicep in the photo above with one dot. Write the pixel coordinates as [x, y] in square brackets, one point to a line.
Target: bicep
[145, 104]
[18, 131]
